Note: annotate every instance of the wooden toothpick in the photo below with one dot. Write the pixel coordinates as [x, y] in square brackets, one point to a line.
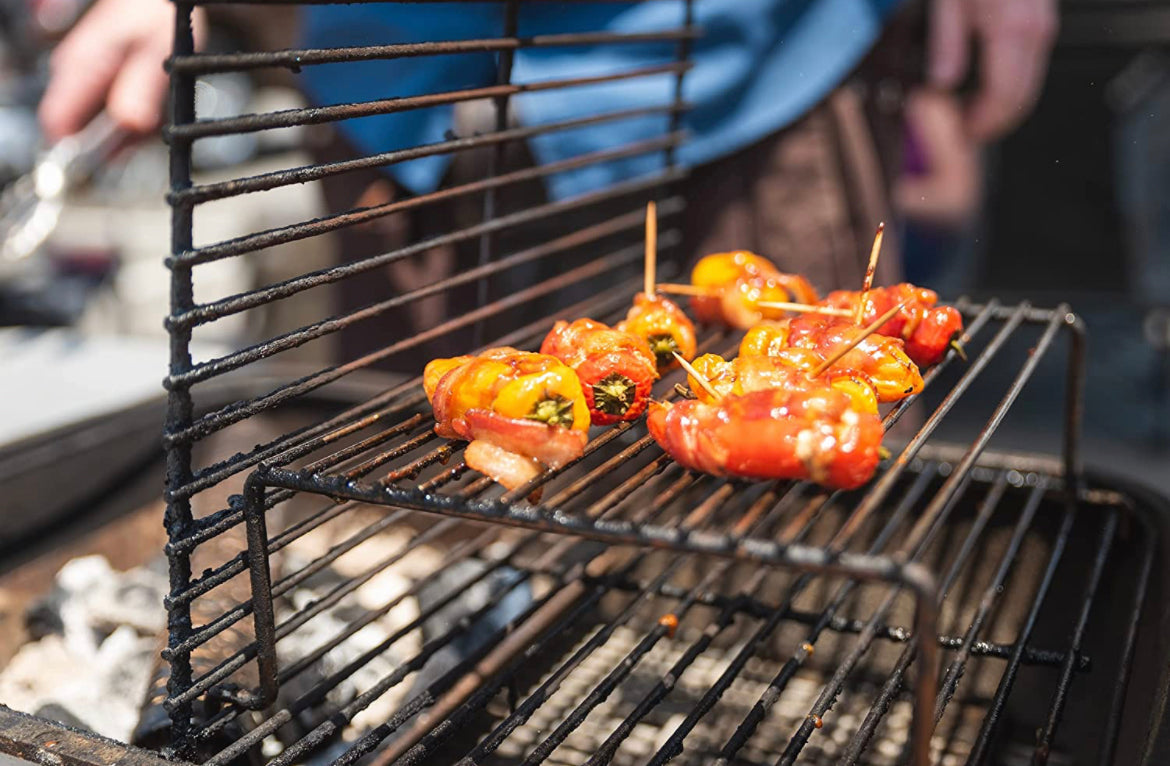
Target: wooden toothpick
[648, 275]
[874, 252]
[703, 383]
[673, 289]
[807, 308]
[845, 349]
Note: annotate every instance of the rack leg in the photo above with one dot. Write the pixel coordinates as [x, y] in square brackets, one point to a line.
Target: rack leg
[263, 611]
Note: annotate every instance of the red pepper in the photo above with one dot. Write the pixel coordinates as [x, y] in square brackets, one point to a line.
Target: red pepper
[616, 385]
[616, 369]
[927, 329]
[934, 335]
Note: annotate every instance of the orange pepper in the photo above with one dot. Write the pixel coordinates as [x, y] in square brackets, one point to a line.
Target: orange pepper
[664, 326]
[738, 282]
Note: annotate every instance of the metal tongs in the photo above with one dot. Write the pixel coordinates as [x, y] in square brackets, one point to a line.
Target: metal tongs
[31, 206]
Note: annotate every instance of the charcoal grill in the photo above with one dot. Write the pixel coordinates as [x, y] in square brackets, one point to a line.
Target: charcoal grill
[968, 606]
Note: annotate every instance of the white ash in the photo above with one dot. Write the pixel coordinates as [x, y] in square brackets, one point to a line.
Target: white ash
[96, 637]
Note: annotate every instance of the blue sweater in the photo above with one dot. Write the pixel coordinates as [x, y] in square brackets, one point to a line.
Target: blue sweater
[759, 66]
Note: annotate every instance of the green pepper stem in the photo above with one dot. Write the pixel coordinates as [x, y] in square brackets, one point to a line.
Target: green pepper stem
[554, 409]
[663, 348]
[614, 394]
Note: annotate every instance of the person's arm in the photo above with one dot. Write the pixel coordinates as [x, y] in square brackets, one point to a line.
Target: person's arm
[113, 58]
[1015, 39]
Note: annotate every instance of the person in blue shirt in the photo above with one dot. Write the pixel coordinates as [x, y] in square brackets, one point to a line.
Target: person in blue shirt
[793, 133]
[114, 56]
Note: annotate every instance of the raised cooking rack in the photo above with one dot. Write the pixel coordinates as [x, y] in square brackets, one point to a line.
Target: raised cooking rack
[620, 490]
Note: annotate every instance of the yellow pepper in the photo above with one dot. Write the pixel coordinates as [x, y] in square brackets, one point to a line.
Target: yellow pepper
[765, 339]
[787, 370]
[554, 397]
[750, 280]
[436, 369]
[720, 269]
[663, 325]
[512, 383]
[719, 373]
[859, 390]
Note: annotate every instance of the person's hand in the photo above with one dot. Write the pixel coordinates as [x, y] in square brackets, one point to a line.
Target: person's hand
[946, 189]
[1015, 36]
[113, 58]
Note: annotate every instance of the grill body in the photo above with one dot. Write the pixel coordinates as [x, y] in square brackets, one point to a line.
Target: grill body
[621, 610]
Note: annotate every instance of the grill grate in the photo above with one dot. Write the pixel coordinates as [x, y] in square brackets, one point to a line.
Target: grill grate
[798, 612]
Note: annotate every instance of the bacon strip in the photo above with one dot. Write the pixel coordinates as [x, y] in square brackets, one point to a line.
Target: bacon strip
[552, 445]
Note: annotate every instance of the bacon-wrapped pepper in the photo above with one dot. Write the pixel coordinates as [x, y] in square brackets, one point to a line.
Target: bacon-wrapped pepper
[881, 359]
[664, 326]
[736, 283]
[787, 369]
[617, 369]
[927, 329]
[519, 410]
[808, 433]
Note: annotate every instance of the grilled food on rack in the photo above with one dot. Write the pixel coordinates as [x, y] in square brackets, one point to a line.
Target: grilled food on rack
[521, 411]
[881, 359]
[736, 283]
[663, 325]
[811, 432]
[788, 368]
[617, 369]
[928, 329]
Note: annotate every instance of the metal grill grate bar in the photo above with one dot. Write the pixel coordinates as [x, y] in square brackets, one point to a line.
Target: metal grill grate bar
[894, 683]
[294, 232]
[1044, 741]
[288, 118]
[222, 418]
[869, 633]
[897, 634]
[302, 335]
[750, 522]
[296, 59]
[208, 312]
[1121, 686]
[419, 752]
[986, 731]
[307, 173]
